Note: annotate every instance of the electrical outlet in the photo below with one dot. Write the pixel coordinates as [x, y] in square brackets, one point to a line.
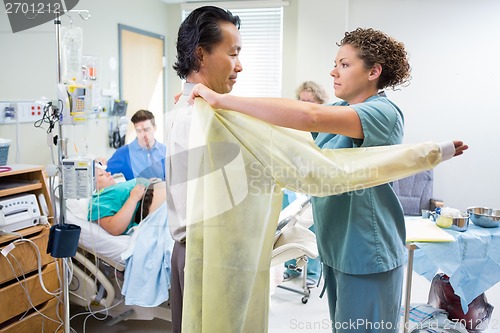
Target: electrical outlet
[29, 111]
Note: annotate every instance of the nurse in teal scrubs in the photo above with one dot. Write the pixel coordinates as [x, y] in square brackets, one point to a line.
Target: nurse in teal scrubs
[360, 235]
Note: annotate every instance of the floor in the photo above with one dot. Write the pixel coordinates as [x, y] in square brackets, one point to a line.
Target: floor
[287, 313]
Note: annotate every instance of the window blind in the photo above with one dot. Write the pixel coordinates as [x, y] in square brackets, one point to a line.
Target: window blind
[261, 54]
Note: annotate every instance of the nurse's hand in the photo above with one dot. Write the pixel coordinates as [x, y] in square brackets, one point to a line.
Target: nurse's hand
[200, 90]
[460, 147]
[176, 97]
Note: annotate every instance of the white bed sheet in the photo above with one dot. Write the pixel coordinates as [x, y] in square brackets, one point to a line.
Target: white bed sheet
[92, 236]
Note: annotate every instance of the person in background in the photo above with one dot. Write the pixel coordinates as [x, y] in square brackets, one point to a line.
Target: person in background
[308, 91]
[114, 205]
[361, 234]
[119, 206]
[142, 158]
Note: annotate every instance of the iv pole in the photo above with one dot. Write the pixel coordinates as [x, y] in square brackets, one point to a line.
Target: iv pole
[62, 152]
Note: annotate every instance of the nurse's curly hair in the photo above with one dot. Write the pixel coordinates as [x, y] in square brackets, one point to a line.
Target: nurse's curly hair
[376, 47]
[200, 28]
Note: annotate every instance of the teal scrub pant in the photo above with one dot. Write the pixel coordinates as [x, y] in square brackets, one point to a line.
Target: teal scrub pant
[364, 303]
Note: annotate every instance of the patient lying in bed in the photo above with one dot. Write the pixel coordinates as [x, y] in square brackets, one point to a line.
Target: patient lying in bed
[117, 207]
[144, 247]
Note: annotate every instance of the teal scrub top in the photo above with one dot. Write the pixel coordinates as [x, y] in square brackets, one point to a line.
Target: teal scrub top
[363, 232]
[110, 200]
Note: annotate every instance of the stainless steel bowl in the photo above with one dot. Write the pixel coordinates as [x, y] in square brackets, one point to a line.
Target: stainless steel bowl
[484, 217]
[454, 223]
[460, 223]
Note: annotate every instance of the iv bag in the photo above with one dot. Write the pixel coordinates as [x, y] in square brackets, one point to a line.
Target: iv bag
[71, 54]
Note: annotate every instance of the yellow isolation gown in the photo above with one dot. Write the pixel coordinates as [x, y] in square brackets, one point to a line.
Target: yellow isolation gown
[236, 169]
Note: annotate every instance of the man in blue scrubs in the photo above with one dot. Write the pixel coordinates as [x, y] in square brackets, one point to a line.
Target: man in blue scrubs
[145, 156]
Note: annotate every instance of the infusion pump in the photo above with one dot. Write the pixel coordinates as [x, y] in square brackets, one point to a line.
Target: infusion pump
[18, 212]
[76, 101]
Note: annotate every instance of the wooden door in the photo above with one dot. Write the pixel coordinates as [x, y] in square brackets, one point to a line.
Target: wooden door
[142, 75]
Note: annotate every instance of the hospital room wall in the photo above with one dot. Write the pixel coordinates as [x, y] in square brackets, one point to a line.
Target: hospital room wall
[28, 71]
[453, 48]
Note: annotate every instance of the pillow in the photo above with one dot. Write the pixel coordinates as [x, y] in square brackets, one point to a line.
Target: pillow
[78, 207]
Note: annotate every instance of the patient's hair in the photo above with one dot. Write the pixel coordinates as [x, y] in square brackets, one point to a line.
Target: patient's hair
[200, 28]
[143, 115]
[315, 89]
[144, 204]
[375, 47]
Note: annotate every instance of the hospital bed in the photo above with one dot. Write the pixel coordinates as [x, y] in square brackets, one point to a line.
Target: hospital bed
[294, 240]
[99, 270]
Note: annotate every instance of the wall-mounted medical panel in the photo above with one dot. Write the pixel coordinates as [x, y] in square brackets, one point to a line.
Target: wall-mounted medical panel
[23, 111]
